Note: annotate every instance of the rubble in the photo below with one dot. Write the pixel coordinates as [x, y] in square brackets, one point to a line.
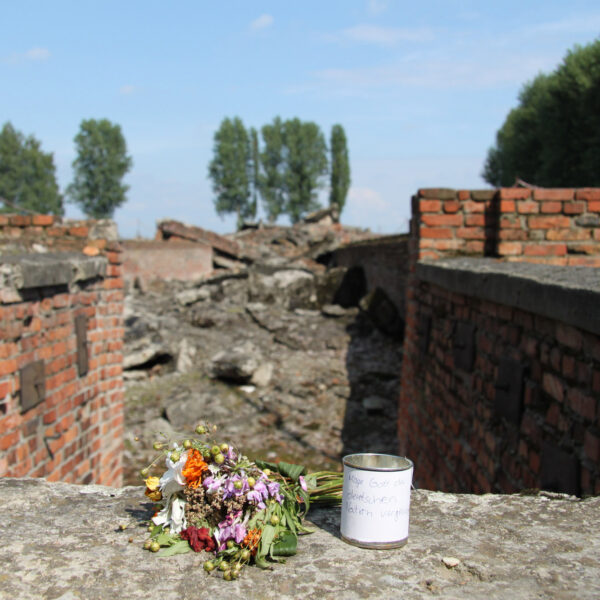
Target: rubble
[265, 353]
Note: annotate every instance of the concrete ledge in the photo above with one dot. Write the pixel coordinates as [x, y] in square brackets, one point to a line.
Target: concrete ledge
[26, 271]
[63, 541]
[567, 294]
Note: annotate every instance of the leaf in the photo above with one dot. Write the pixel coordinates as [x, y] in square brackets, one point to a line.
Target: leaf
[261, 563]
[266, 539]
[180, 547]
[167, 539]
[290, 470]
[286, 544]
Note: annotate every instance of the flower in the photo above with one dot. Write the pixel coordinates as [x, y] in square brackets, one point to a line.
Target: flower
[152, 491]
[194, 468]
[173, 480]
[251, 540]
[198, 538]
[172, 515]
[302, 483]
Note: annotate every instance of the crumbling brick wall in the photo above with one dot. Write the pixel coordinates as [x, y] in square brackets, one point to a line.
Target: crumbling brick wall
[467, 424]
[61, 394]
[551, 226]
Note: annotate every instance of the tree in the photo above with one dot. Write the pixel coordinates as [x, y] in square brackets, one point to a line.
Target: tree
[306, 166]
[27, 174]
[231, 170]
[552, 138]
[254, 171]
[340, 168]
[100, 166]
[294, 162]
[271, 182]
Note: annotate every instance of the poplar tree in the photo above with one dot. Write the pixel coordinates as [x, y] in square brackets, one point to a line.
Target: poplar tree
[231, 170]
[340, 168]
[99, 168]
[27, 175]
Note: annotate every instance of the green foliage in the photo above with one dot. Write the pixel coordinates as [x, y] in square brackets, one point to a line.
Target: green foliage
[294, 162]
[27, 174]
[231, 170]
[254, 172]
[99, 168]
[340, 168]
[306, 165]
[553, 137]
[271, 182]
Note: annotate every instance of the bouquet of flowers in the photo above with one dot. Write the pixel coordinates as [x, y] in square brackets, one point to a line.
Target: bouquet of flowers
[213, 498]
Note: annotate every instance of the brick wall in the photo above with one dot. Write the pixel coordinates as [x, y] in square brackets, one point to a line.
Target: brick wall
[464, 426]
[552, 226]
[384, 261]
[175, 260]
[60, 416]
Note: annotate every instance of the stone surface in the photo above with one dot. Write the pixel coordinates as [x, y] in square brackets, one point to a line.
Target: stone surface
[65, 541]
[568, 294]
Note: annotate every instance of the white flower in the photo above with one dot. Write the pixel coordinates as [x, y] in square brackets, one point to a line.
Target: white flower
[172, 515]
[173, 480]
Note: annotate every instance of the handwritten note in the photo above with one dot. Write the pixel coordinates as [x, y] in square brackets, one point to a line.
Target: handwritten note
[375, 505]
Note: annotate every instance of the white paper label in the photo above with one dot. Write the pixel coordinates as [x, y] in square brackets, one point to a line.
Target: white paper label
[375, 505]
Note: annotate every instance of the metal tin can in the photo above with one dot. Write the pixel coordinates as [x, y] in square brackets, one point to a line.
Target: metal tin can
[376, 500]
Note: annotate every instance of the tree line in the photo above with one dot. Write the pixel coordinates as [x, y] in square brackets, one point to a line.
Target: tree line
[287, 170]
[28, 174]
[552, 138]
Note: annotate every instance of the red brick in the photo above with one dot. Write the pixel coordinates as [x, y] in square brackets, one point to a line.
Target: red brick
[513, 235]
[442, 220]
[569, 336]
[551, 207]
[471, 233]
[594, 206]
[477, 220]
[545, 249]
[582, 234]
[587, 194]
[510, 222]
[514, 193]
[507, 206]
[553, 386]
[553, 194]
[510, 248]
[451, 206]
[43, 220]
[7, 367]
[430, 206]
[4, 220]
[439, 233]
[464, 194]
[9, 439]
[582, 404]
[591, 447]
[573, 208]
[544, 222]
[528, 207]
[473, 207]
[79, 231]
[474, 246]
[20, 220]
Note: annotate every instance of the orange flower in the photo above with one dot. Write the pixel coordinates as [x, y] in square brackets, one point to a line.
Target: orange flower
[194, 467]
[251, 540]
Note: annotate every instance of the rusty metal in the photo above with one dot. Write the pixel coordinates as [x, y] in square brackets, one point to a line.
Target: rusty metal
[81, 325]
[33, 385]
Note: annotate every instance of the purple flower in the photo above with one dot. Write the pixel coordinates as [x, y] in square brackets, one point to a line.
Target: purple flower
[211, 484]
[255, 497]
[273, 488]
[302, 483]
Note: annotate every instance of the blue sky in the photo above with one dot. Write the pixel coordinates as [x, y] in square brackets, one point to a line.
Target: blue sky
[420, 88]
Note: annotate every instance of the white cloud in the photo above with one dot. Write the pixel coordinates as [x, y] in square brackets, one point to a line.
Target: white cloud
[262, 22]
[364, 198]
[376, 7]
[35, 54]
[382, 36]
[126, 90]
